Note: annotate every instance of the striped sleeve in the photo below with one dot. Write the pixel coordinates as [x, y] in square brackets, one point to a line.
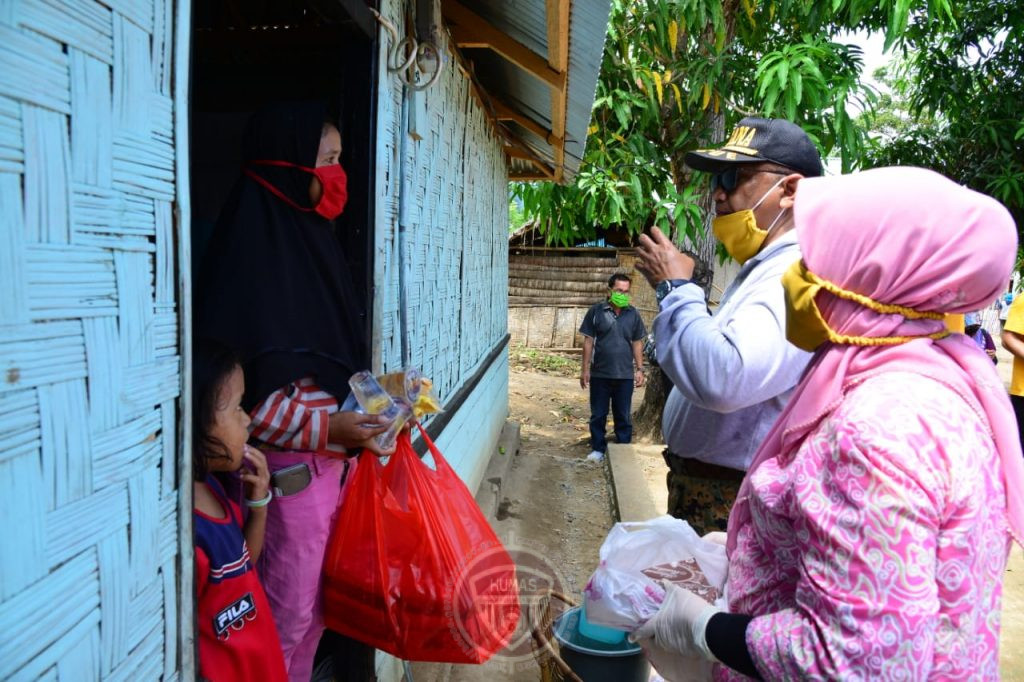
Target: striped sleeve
[295, 417]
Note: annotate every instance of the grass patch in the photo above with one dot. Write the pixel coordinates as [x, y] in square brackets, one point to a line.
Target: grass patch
[540, 360]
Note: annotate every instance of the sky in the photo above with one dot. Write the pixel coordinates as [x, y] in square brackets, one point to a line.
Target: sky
[873, 58]
[872, 46]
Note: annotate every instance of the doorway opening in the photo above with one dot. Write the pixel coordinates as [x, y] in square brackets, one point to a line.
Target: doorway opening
[248, 54]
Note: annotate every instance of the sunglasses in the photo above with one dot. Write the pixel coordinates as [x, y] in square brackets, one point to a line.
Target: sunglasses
[727, 180]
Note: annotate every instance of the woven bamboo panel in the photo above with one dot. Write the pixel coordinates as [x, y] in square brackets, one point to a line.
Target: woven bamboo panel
[550, 293]
[88, 342]
[454, 184]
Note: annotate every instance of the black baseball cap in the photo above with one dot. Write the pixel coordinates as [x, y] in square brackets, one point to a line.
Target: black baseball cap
[759, 140]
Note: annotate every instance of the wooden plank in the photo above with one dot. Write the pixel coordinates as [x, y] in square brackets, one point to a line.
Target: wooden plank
[472, 30]
[524, 153]
[558, 274]
[559, 262]
[528, 177]
[505, 112]
[552, 301]
[558, 59]
[611, 251]
[180, 649]
[555, 286]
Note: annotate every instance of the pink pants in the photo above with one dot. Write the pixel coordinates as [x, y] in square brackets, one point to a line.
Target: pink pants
[291, 563]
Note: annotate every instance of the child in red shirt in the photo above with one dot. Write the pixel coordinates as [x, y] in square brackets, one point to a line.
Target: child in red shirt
[237, 636]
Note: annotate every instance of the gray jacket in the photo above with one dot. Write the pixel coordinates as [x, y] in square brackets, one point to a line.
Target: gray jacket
[732, 372]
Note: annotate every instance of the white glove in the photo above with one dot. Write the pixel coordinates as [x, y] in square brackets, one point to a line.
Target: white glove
[717, 537]
[680, 624]
[675, 668]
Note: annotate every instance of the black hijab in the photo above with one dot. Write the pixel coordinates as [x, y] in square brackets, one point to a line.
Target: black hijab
[274, 284]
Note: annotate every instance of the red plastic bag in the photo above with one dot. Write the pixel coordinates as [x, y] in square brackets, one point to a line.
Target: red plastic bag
[413, 567]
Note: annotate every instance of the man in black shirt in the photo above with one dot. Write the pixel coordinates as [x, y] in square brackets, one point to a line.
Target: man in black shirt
[613, 335]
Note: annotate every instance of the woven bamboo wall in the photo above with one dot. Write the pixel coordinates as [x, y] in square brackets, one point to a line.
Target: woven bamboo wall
[551, 289]
[88, 341]
[456, 247]
[456, 253]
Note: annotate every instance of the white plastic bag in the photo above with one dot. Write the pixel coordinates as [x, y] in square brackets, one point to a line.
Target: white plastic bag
[620, 595]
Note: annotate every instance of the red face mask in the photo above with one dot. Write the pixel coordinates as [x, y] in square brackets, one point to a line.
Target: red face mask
[332, 179]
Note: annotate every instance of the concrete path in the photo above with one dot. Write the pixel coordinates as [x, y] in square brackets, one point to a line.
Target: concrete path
[638, 482]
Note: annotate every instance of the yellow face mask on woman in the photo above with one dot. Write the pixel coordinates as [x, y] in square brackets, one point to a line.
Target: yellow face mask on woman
[806, 328]
[739, 233]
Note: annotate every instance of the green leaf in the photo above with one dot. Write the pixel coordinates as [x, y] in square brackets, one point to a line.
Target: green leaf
[783, 74]
[798, 86]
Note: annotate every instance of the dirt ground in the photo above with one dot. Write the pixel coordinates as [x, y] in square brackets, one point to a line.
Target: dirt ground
[556, 507]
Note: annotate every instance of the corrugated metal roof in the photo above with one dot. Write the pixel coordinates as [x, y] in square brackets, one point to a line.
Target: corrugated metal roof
[526, 22]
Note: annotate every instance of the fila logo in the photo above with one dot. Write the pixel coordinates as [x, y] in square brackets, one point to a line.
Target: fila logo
[741, 136]
[234, 616]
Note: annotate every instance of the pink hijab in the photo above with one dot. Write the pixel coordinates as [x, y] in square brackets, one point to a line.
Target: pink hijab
[910, 237]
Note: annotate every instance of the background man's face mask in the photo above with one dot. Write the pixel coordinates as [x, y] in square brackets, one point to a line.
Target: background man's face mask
[333, 181]
[619, 299]
[738, 231]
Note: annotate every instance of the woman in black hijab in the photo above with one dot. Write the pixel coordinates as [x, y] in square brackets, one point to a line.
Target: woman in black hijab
[276, 287]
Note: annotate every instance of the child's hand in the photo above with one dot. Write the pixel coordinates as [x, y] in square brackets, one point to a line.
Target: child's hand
[255, 474]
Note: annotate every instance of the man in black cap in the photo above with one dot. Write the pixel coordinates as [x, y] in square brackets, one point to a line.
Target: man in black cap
[732, 371]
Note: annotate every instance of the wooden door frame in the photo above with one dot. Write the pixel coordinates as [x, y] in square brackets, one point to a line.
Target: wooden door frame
[187, 654]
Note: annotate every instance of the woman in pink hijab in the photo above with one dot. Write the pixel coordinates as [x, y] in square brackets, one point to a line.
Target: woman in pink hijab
[871, 534]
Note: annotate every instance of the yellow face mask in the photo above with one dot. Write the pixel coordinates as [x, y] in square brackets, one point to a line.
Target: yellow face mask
[806, 328]
[739, 232]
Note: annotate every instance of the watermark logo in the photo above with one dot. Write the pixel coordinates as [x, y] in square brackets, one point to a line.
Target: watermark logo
[496, 585]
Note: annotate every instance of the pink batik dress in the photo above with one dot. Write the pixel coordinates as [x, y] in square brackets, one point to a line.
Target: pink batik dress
[877, 551]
